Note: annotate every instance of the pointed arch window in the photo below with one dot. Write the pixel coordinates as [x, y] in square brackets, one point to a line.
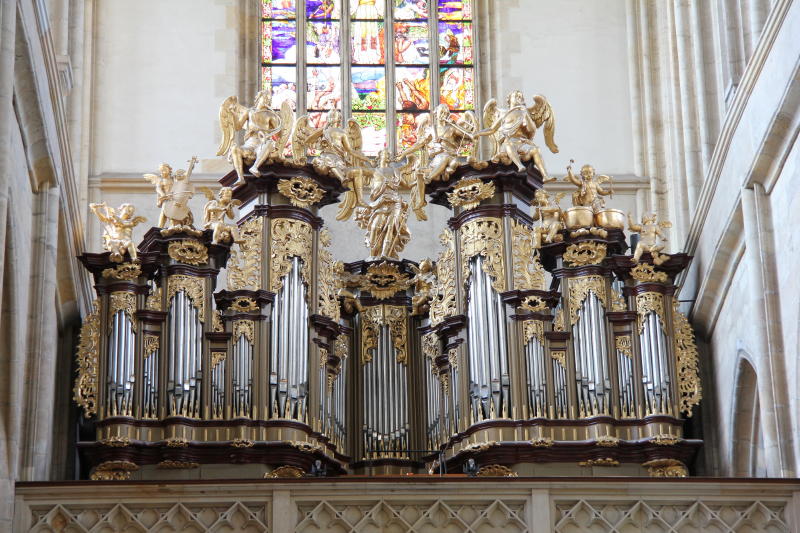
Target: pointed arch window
[382, 62]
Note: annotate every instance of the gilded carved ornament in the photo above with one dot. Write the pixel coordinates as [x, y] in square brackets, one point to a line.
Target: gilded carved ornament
[495, 471]
[244, 328]
[290, 238]
[125, 271]
[243, 304]
[285, 472]
[216, 321]
[618, 302]
[585, 253]
[327, 282]
[443, 299]
[118, 227]
[533, 303]
[151, 344]
[541, 442]
[372, 318]
[559, 321]
[217, 358]
[665, 440]
[123, 301]
[242, 443]
[650, 302]
[216, 212]
[153, 302]
[602, 461]
[484, 237]
[666, 468]
[301, 191]
[469, 192]
[384, 280]
[532, 329]
[431, 347]
[244, 264]
[559, 356]
[528, 271]
[116, 441]
[651, 238]
[645, 272]
[177, 442]
[170, 464]
[623, 345]
[579, 289]
[194, 289]
[607, 441]
[85, 390]
[686, 356]
[113, 471]
[189, 251]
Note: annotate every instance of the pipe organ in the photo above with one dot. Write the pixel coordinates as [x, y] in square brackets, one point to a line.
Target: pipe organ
[535, 338]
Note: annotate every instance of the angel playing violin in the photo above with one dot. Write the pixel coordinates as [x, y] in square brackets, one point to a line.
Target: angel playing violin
[215, 212]
[118, 227]
[173, 192]
[266, 132]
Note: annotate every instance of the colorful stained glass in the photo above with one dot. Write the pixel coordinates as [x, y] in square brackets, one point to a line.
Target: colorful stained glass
[457, 88]
[454, 9]
[455, 43]
[410, 9]
[411, 46]
[324, 87]
[406, 127]
[412, 87]
[322, 43]
[367, 43]
[373, 131]
[322, 9]
[368, 88]
[282, 84]
[278, 41]
[278, 9]
[366, 9]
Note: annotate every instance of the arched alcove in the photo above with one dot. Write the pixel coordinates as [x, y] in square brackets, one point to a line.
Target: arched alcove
[748, 442]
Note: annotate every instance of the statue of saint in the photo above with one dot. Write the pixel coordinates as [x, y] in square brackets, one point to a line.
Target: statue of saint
[118, 227]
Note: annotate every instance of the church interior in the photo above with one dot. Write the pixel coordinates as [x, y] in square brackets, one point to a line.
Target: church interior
[399, 265]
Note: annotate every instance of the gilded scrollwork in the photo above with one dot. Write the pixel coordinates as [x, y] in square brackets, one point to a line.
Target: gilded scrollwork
[285, 471]
[443, 300]
[216, 321]
[528, 271]
[151, 344]
[189, 251]
[243, 304]
[484, 237]
[559, 356]
[244, 328]
[665, 440]
[217, 358]
[533, 303]
[383, 280]
[650, 302]
[123, 301]
[559, 321]
[469, 192]
[113, 471]
[585, 253]
[686, 356]
[666, 468]
[542, 442]
[495, 471]
[153, 302]
[372, 318]
[623, 345]
[327, 299]
[431, 347]
[301, 191]
[532, 329]
[645, 272]
[194, 289]
[125, 271]
[618, 302]
[607, 441]
[290, 238]
[244, 265]
[579, 289]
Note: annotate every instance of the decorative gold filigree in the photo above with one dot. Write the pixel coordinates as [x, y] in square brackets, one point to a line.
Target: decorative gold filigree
[170, 464]
[116, 441]
[559, 356]
[646, 272]
[285, 471]
[217, 358]
[305, 446]
[194, 289]
[443, 300]
[243, 327]
[384, 280]
[686, 355]
[607, 441]
[579, 289]
[177, 442]
[484, 237]
[665, 439]
[618, 302]
[650, 302]
[243, 304]
[602, 461]
[480, 446]
[125, 271]
[533, 303]
[623, 345]
[542, 442]
[431, 347]
[290, 238]
[151, 344]
[558, 322]
[469, 192]
[301, 191]
[188, 251]
[327, 300]
[452, 357]
[242, 443]
[85, 390]
[216, 321]
[372, 318]
[123, 301]
[666, 468]
[113, 471]
[495, 471]
[244, 265]
[585, 253]
[528, 271]
[153, 302]
[531, 329]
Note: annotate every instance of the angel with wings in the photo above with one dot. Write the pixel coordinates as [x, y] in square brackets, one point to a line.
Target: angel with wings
[550, 218]
[590, 187]
[266, 132]
[423, 282]
[118, 227]
[215, 212]
[511, 130]
[649, 234]
[304, 136]
[173, 192]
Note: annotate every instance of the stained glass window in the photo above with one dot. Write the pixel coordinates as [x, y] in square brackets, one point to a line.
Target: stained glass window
[384, 63]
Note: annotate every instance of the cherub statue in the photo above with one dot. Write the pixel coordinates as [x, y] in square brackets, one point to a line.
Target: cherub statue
[649, 233]
[590, 190]
[173, 193]
[512, 130]
[266, 132]
[550, 218]
[346, 281]
[118, 227]
[423, 282]
[214, 214]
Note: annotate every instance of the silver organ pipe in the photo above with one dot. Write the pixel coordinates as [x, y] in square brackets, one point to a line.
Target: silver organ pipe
[289, 349]
[488, 354]
[537, 378]
[626, 377]
[655, 369]
[591, 359]
[120, 375]
[150, 383]
[241, 377]
[184, 372]
[217, 385]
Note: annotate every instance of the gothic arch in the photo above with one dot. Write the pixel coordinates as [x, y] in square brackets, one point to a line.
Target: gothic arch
[747, 442]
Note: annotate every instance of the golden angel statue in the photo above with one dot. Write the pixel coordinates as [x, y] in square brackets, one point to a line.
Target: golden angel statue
[511, 130]
[649, 234]
[344, 282]
[590, 189]
[173, 192]
[214, 214]
[266, 132]
[304, 136]
[423, 282]
[118, 227]
[550, 217]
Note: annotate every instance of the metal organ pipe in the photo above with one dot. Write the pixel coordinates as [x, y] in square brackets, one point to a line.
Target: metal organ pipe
[120, 374]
